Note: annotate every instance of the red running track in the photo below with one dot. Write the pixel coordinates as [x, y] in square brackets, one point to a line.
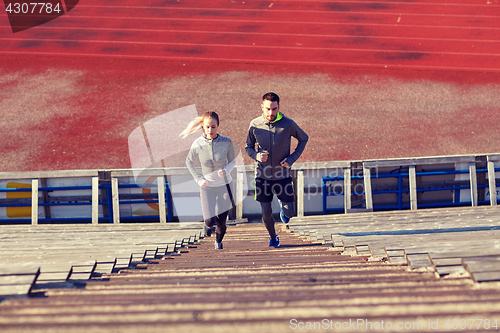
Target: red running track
[385, 79]
[459, 35]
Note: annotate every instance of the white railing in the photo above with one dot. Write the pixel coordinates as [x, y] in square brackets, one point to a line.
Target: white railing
[181, 191]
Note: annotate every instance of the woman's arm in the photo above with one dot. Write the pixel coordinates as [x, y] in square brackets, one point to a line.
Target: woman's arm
[231, 158]
[192, 154]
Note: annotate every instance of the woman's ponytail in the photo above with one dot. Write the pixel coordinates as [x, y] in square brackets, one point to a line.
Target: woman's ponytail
[197, 123]
[194, 126]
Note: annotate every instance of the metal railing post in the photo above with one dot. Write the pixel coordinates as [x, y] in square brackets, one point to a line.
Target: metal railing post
[34, 201]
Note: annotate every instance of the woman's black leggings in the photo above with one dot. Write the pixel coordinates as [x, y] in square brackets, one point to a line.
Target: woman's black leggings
[211, 197]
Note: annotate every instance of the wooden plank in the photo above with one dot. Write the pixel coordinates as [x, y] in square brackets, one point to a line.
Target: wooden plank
[337, 241]
[82, 271]
[447, 270]
[493, 157]
[249, 168]
[358, 210]
[486, 276]
[396, 255]
[34, 201]
[475, 267]
[447, 261]
[23, 270]
[16, 279]
[15, 290]
[473, 183]
[367, 187]
[121, 263]
[418, 161]
[363, 249]
[161, 198]
[95, 200]
[413, 187]
[347, 189]
[177, 171]
[492, 183]
[402, 222]
[300, 193]
[418, 260]
[106, 267]
[484, 259]
[321, 165]
[48, 174]
[116, 200]
[54, 272]
[102, 243]
[350, 246]
[482, 264]
[447, 247]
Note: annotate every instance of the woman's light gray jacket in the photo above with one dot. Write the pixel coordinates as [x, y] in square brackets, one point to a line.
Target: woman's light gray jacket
[214, 154]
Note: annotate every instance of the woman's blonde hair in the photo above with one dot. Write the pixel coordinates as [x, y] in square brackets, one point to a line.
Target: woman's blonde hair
[197, 123]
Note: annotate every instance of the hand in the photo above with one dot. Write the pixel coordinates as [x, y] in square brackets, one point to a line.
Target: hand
[264, 156]
[221, 173]
[284, 164]
[203, 183]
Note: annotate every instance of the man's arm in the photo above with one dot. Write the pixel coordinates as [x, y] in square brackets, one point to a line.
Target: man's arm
[250, 145]
[302, 139]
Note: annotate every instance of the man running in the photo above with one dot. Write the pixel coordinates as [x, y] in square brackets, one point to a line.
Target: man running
[268, 143]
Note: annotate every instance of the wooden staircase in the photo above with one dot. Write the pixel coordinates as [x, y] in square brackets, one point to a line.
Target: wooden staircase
[249, 287]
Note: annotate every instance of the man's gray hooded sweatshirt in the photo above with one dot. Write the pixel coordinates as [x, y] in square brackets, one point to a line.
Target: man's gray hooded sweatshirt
[275, 138]
[214, 154]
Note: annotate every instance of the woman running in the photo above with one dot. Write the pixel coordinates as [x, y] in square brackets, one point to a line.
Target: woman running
[216, 155]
